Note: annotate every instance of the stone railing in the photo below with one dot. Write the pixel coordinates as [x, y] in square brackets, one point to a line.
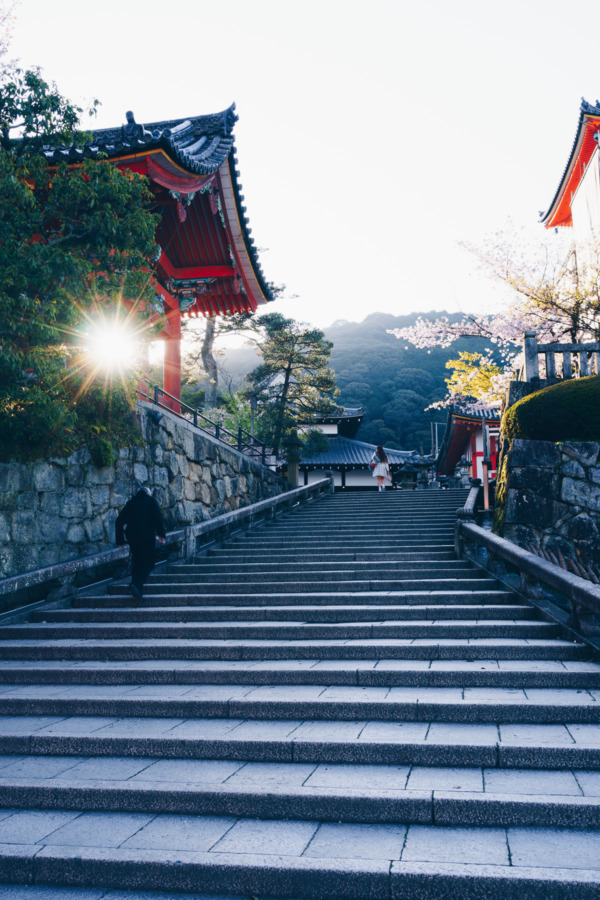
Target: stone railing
[568, 599]
[577, 359]
[54, 583]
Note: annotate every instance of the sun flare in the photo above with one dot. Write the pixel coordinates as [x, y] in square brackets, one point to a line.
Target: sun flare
[112, 346]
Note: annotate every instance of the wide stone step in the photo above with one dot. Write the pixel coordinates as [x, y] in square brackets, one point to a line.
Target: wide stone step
[333, 703]
[300, 573]
[262, 569]
[308, 583]
[392, 598]
[329, 614]
[519, 673]
[222, 557]
[440, 743]
[329, 793]
[295, 859]
[380, 648]
[274, 630]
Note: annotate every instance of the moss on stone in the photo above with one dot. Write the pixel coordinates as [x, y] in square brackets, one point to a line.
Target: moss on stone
[568, 411]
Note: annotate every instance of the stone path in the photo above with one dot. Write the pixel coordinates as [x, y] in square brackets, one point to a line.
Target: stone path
[330, 707]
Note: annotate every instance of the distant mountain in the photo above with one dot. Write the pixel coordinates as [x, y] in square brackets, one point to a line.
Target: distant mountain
[392, 380]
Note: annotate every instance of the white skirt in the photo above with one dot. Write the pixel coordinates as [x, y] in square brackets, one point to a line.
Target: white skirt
[381, 470]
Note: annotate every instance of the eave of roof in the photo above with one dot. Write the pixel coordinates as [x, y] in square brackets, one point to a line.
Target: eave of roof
[559, 211]
[202, 146]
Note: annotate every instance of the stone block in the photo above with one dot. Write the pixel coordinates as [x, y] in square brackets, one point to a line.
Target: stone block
[542, 454]
[75, 533]
[94, 529]
[23, 527]
[47, 477]
[525, 507]
[581, 527]
[581, 493]
[100, 495]
[157, 453]
[4, 528]
[52, 529]
[76, 503]
[14, 477]
[140, 472]
[189, 490]
[109, 520]
[572, 468]
[175, 490]
[74, 476]
[25, 558]
[584, 452]
[27, 500]
[183, 465]
[50, 503]
[105, 475]
[542, 481]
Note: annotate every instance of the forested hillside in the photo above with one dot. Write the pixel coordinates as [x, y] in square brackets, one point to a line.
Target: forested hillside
[392, 380]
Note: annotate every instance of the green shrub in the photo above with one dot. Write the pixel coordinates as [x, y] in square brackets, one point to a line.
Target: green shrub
[102, 453]
[569, 411]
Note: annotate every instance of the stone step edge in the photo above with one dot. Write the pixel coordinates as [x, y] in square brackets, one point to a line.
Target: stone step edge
[195, 675]
[493, 754]
[401, 807]
[316, 710]
[302, 877]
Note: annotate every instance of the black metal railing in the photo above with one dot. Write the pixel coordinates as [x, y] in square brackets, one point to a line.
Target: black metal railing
[240, 440]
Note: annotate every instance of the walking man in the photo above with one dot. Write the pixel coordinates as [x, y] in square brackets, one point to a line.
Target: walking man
[138, 524]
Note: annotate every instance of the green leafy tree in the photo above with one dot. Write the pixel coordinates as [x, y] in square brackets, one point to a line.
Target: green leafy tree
[294, 383]
[75, 244]
[473, 377]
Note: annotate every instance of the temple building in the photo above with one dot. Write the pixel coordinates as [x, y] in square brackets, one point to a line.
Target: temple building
[470, 437]
[348, 459]
[207, 263]
[576, 202]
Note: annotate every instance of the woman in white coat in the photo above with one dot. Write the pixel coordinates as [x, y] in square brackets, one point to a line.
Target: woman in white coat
[381, 469]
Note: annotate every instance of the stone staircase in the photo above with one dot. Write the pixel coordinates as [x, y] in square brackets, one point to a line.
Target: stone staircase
[332, 706]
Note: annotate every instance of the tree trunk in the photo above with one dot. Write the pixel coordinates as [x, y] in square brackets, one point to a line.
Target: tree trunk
[210, 365]
[281, 411]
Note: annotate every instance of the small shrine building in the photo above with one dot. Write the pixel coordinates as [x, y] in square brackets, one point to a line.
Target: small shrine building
[207, 263]
[348, 459]
[470, 436]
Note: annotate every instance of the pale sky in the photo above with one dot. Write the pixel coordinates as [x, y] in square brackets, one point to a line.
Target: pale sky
[374, 135]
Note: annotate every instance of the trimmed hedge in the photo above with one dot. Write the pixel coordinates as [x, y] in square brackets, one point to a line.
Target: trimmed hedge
[568, 411]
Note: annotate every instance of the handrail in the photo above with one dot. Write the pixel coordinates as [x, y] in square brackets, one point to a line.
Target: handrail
[187, 538]
[582, 596]
[243, 441]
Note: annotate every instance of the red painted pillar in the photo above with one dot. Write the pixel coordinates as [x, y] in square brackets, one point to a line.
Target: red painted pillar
[172, 360]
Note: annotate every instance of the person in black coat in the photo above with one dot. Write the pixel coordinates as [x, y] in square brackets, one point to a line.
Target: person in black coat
[138, 524]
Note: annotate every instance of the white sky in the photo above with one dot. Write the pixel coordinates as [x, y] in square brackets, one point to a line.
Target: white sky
[373, 134]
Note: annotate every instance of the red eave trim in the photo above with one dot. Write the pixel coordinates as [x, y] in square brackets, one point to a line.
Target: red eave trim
[215, 271]
[560, 212]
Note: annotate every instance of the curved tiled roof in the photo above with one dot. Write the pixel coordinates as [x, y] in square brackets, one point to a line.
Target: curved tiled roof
[348, 452]
[201, 144]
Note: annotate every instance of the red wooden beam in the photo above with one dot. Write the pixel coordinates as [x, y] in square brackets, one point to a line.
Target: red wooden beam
[213, 271]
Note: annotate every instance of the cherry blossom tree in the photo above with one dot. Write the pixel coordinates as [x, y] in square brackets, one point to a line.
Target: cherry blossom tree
[549, 289]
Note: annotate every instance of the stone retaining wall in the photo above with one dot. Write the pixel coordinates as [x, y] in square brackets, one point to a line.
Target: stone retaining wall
[55, 510]
[549, 495]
